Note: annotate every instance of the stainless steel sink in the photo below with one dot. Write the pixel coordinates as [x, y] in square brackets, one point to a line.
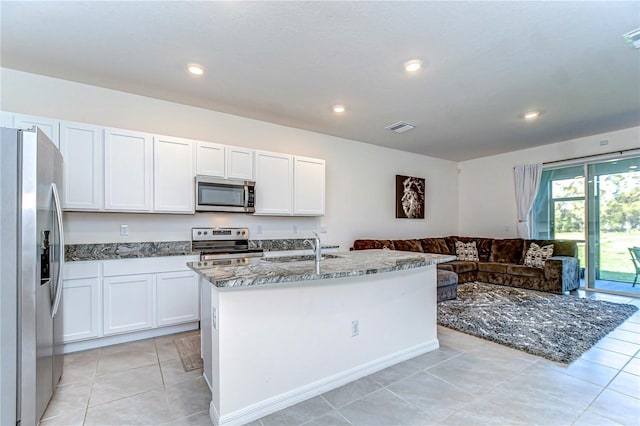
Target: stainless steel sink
[298, 258]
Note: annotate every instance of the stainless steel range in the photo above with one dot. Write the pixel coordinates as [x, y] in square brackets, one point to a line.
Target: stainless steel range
[228, 244]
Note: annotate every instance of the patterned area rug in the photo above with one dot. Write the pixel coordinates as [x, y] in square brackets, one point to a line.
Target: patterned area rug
[559, 328]
[189, 351]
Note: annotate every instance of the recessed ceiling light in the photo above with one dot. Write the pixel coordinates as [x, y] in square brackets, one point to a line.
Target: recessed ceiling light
[413, 65]
[339, 108]
[196, 69]
[531, 115]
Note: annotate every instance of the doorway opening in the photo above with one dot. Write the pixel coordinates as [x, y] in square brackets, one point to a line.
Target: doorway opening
[598, 206]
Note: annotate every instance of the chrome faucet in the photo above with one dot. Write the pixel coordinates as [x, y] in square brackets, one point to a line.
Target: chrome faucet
[317, 248]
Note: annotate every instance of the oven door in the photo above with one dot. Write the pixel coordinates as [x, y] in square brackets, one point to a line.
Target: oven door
[221, 195]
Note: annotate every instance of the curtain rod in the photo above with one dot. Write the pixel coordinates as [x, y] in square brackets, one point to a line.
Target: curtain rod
[622, 151]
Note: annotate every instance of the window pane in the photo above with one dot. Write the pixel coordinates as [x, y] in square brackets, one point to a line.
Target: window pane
[569, 219]
[566, 188]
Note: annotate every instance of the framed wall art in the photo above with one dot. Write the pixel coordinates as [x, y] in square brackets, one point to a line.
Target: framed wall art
[410, 197]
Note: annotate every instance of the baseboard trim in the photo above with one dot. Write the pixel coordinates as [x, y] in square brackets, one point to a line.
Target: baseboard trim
[127, 337]
[287, 399]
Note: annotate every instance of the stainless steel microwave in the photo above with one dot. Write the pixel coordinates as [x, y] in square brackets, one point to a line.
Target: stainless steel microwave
[224, 195]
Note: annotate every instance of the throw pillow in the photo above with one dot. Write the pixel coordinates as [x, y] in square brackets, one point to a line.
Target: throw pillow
[467, 251]
[537, 255]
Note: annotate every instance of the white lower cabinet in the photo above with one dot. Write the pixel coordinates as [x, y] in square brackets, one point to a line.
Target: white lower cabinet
[81, 300]
[128, 303]
[178, 297]
[110, 298]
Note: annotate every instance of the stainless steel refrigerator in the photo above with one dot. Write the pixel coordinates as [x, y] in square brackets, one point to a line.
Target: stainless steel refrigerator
[31, 265]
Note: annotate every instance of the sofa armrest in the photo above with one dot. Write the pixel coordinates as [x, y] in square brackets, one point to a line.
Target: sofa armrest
[563, 270]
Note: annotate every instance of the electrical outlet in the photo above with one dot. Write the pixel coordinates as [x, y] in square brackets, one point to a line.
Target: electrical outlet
[259, 230]
[323, 229]
[295, 229]
[355, 328]
[124, 230]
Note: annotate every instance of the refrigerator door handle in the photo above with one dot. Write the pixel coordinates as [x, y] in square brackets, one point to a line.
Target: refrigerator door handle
[58, 283]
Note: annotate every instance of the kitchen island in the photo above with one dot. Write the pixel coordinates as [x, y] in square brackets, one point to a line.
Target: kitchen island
[276, 332]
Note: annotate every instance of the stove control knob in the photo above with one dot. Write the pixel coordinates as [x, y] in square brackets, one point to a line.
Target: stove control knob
[205, 232]
[199, 232]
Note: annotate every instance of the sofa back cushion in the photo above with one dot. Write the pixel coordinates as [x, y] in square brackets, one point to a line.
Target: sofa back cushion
[560, 247]
[435, 245]
[407, 245]
[372, 244]
[482, 244]
[507, 251]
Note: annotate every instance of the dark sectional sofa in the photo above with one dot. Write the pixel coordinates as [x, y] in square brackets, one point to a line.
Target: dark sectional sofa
[501, 261]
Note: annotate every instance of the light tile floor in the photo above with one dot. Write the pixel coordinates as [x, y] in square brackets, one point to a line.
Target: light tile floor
[468, 381]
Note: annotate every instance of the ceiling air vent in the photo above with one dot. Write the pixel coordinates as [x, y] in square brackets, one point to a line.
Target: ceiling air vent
[633, 38]
[400, 126]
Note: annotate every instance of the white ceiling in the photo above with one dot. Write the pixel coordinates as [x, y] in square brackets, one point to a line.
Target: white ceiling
[486, 63]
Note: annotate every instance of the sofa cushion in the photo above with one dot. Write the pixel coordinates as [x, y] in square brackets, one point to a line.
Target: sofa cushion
[525, 271]
[482, 244]
[435, 245]
[507, 251]
[560, 248]
[462, 266]
[372, 244]
[446, 278]
[467, 251]
[537, 255]
[407, 245]
[499, 268]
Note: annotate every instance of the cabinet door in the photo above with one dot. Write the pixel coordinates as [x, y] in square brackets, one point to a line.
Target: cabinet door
[210, 159]
[173, 178]
[128, 303]
[127, 170]
[81, 147]
[81, 313]
[49, 126]
[308, 186]
[178, 296]
[274, 184]
[239, 163]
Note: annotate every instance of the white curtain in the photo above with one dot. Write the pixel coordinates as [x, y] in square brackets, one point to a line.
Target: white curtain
[527, 181]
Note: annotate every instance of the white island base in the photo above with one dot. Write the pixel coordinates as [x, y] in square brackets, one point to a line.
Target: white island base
[267, 347]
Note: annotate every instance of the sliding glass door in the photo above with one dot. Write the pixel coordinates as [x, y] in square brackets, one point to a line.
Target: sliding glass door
[598, 206]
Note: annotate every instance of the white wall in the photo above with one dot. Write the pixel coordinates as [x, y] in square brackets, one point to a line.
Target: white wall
[360, 177]
[487, 205]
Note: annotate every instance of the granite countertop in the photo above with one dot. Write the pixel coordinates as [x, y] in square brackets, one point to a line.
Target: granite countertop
[106, 251]
[260, 271]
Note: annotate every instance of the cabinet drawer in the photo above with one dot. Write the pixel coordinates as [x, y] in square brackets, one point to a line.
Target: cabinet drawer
[150, 265]
[82, 269]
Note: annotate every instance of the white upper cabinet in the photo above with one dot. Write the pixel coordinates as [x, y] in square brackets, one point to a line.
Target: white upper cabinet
[173, 177]
[274, 184]
[308, 186]
[224, 161]
[239, 163]
[82, 148]
[210, 159]
[289, 185]
[128, 174]
[49, 126]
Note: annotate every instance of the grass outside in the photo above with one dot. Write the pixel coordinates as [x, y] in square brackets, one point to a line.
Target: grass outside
[615, 259]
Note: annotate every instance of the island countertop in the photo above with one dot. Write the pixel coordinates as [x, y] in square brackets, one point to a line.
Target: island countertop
[258, 271]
